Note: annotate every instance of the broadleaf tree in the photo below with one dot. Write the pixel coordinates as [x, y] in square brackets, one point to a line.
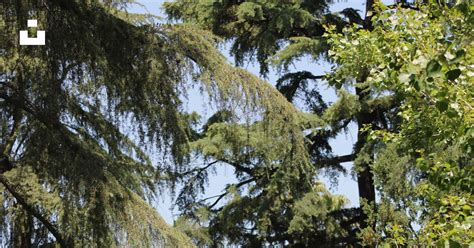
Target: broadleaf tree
[424, 56]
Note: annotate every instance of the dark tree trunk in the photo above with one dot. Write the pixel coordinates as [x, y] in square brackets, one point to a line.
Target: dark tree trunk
[22, 232]
[365, 178]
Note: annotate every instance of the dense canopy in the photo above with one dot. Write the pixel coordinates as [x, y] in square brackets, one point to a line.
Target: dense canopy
[404, 118]
[92, 123]
[94, 126]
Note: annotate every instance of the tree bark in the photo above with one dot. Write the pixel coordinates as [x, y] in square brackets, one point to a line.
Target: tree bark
[22, 230]
[365, 178]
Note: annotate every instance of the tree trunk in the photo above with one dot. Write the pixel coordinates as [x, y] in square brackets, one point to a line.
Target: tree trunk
[365, 178]
[22, 232]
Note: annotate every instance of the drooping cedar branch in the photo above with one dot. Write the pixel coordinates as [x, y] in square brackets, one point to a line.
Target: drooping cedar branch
[31, 210]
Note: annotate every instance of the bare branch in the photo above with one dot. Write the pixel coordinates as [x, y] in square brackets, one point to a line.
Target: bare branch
[219, 197]
[200, 169]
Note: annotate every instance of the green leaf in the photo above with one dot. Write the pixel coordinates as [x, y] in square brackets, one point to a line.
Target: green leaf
[404, 77]
[442, 105]
[419, 85]
[459, 55]
[433, 68]
[454, 244]
[453, 74]
[451, 113]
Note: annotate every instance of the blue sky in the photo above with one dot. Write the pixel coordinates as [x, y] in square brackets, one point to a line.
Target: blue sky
[342, 145]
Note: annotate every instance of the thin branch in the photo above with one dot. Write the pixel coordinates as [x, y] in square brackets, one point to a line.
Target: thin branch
[403, 6]
[219, 197]
[316, 77]
[200, 169]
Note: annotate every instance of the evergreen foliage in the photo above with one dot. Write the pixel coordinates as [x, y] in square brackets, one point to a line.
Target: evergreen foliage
[272, 202]
[92, 123]
[259, 29]
[391, 74]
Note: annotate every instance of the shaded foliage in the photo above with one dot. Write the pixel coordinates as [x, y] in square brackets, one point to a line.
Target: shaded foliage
[92, 122]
